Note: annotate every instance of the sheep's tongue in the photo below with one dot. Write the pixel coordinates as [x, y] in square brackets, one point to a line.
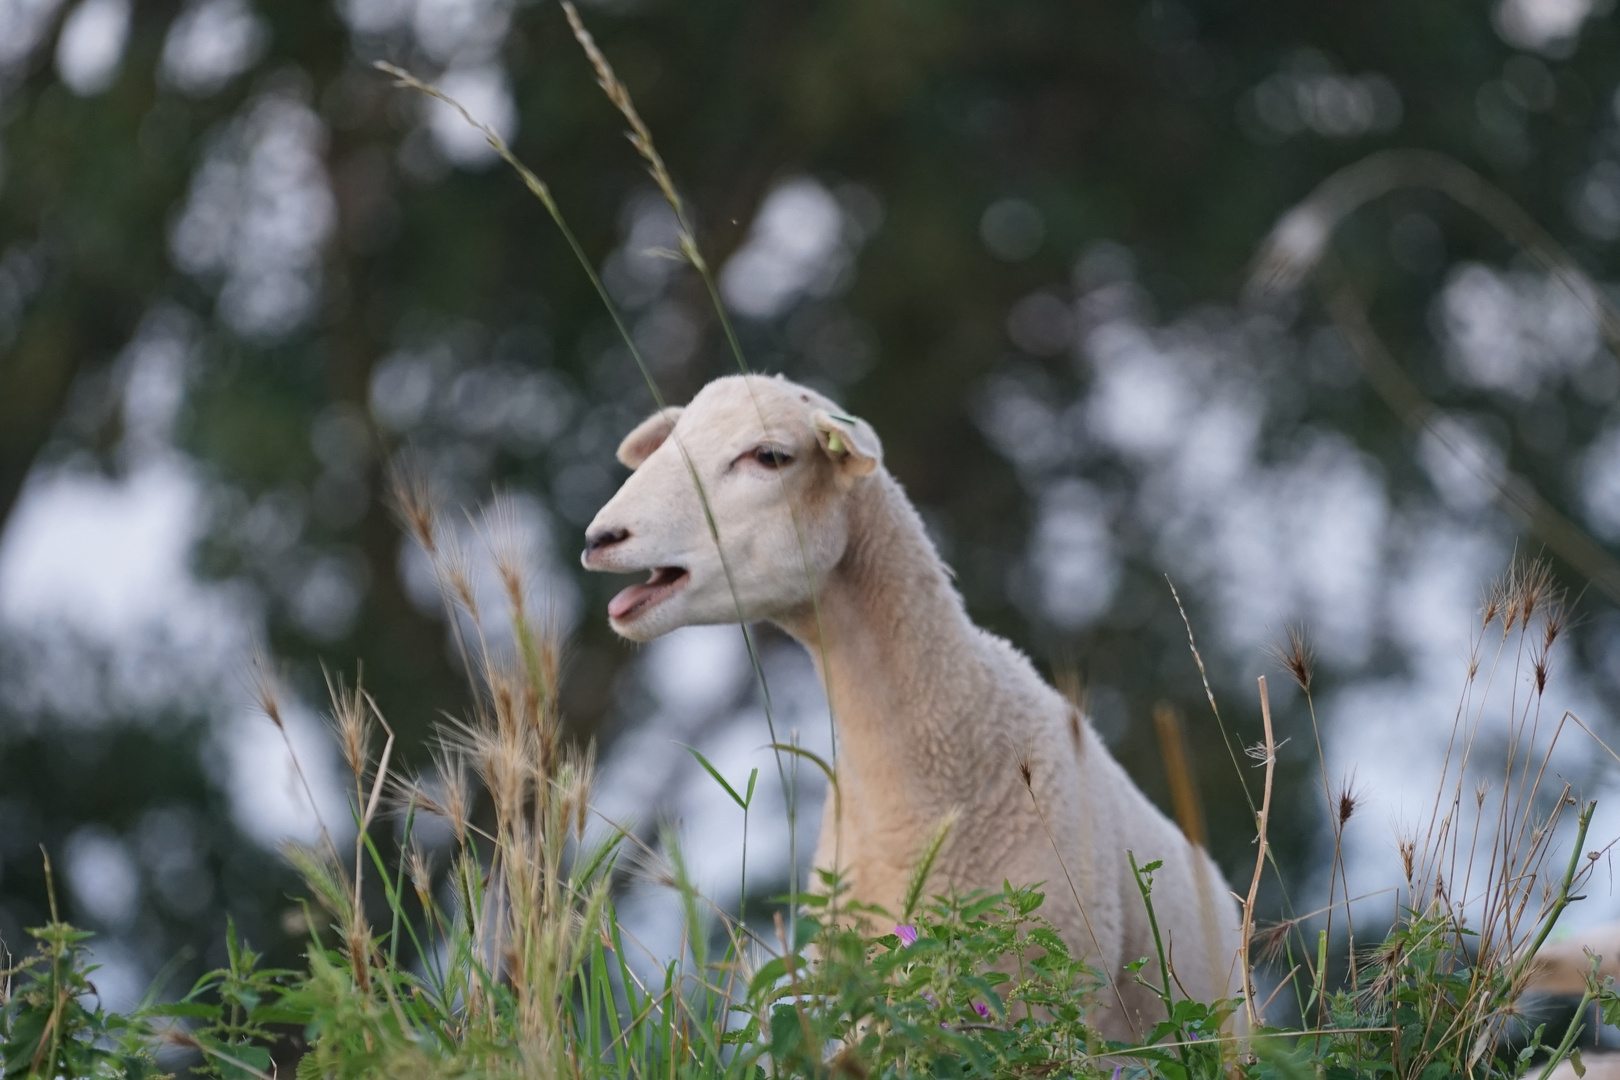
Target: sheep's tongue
[628, 600]
[636, 595]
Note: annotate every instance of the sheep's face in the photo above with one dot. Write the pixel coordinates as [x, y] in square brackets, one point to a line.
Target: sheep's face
[771, 465]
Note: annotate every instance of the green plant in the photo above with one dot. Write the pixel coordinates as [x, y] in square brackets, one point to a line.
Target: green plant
[46, 1026]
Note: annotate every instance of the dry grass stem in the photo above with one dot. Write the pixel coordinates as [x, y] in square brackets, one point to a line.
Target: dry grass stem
[1262, 821]
[1178, 768]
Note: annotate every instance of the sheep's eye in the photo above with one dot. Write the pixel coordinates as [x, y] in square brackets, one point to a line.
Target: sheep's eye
[770, 457]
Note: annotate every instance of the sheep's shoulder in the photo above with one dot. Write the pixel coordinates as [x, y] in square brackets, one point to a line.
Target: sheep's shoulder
[1023, 693]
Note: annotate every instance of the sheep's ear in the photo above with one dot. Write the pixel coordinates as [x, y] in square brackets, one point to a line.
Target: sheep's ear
[649, 435]
[850, 442]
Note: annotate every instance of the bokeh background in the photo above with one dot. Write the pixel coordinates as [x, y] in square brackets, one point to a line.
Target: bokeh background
[241, 275]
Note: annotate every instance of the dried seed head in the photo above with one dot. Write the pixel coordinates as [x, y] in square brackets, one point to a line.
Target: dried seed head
[1348, 798]
[1296, 657]
[413, 502]
[359, 942]
[458, 581]
[579, 792]
[653, 865]
[264, 690]
[1529, 587]
[509, 550]
[1025, 772]
[406, 794]
[352, 718]
[419, 866]
[1535, 584]
[447, 795]
[639, 136]
[1269, 941]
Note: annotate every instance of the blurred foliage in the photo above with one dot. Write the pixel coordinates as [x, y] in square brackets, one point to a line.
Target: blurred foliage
[1129, 122]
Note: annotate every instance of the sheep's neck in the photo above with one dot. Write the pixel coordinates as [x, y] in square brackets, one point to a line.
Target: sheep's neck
[895, 650]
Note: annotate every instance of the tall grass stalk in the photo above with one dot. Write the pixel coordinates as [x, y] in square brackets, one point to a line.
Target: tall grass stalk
[690, 252]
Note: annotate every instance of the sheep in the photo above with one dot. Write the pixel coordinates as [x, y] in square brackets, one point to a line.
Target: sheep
[932, 714]
[1562, 967]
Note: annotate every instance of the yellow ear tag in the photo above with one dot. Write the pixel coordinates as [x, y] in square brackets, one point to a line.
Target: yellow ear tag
[834, 443]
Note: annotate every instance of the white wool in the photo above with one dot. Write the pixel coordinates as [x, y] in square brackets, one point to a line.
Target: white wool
[933, 714]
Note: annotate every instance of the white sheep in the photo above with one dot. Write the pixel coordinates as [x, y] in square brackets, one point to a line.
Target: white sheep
[1561, 967]
[932, 713]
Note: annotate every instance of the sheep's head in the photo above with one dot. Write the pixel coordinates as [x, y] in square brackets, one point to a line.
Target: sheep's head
[766, 464]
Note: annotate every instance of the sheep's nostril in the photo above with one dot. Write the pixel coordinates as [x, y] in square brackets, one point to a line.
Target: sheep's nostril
[602, 538]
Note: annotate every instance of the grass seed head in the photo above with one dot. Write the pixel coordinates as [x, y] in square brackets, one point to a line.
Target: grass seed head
[414, 504]
[1295, 657]
[351, 716]
[1270, 940]
[265, 691]
[1535, 587]
[1493, 604]
[458, 580]
[359, 943]
[505, 537]
[1349, 798]
[420, 867]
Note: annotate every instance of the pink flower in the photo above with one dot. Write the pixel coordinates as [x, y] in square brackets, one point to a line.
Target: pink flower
[982, 1009]
[906, 934]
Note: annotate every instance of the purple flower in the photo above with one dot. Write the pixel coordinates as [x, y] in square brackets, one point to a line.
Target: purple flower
[1117, 1070]
[930, 998]
[982, 1009]
[906, 934]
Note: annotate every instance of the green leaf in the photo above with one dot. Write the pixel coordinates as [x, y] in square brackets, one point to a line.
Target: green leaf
[769, 974]
[712, 771]
[787, 1032]
[255, 1057]
[1049, 941]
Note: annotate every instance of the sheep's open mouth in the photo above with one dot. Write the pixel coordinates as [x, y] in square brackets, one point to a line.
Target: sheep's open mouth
[660, 585]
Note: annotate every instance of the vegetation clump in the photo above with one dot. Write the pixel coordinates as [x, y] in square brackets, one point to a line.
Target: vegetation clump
[509, 961]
